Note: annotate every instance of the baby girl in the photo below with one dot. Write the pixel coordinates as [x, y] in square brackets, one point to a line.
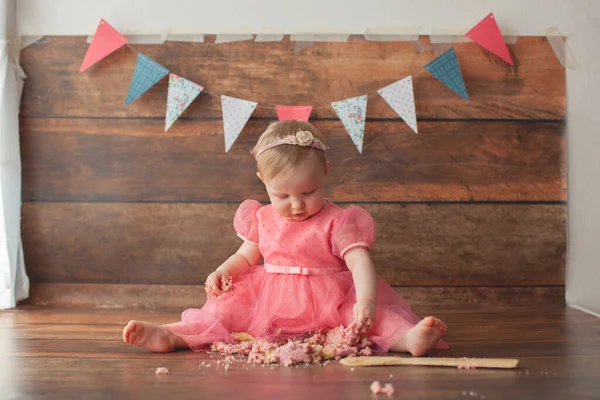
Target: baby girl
[317, 272]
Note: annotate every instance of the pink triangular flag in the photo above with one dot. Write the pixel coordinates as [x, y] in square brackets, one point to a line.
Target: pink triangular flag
[301, 113]
[105, 41]
[487, 34]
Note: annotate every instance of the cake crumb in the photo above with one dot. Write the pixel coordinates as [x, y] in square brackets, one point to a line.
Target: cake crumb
[389, 389]
[468, 363]
[226, 286]
[376, 388]
[162, 371]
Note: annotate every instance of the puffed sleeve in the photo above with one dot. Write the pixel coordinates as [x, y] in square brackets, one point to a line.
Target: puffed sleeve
[245, 221]
[356, 228]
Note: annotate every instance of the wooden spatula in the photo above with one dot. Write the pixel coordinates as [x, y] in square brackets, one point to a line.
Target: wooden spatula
[432, 362]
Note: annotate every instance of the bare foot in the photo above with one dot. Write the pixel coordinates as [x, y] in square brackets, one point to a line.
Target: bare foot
[156, 338]
[422, 337]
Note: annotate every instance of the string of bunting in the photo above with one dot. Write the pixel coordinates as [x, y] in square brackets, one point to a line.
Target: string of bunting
[236, 112]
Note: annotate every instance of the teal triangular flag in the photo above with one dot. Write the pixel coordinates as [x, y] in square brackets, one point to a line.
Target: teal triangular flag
[147, 73]
[446, 69]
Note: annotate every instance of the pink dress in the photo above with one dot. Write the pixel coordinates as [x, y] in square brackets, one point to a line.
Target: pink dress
[303, 286]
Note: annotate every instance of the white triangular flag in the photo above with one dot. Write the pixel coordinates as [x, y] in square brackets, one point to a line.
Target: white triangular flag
[352, 113]
[181, 94]
[236, 113]
[400, 96]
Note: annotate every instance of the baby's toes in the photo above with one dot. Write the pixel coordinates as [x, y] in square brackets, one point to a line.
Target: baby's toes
[440, 325]
[130, 327]
[429, 322]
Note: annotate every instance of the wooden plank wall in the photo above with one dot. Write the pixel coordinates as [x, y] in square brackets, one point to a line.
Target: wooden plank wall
[474, 205]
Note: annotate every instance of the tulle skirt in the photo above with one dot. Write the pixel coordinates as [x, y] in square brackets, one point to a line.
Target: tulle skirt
[278, 306]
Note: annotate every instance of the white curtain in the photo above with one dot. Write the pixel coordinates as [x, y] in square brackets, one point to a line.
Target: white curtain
[14, 284]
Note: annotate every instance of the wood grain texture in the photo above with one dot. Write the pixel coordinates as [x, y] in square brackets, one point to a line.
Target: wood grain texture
[134, 160]
[417, 244]
[276, 73]
[74, 354]
[425, 300]
[94, 323]
[111, 199]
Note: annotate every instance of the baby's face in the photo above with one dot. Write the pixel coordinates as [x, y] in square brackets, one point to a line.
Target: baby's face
[298, 193]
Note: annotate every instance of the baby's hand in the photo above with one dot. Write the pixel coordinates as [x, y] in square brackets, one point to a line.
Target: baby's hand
[218, 283]
[365, 313]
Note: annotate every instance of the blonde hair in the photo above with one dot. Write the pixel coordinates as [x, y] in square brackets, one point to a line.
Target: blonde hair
[274, 160]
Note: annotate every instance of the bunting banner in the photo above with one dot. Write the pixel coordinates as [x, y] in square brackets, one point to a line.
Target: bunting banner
[400, 96]
[236, 113]
[181, 94]
[487, 34]
[147, 74]
[105, 41]
[352, 113]
[301, 113]
[445, 68]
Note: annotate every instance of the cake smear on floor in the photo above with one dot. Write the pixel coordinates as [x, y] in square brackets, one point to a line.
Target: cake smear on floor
[314, 348]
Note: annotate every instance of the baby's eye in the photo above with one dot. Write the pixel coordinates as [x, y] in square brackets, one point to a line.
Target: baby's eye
[282, 196]
[309, 193]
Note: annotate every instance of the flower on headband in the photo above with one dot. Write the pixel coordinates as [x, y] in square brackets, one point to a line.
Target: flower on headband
[301, 138]
[305, 138]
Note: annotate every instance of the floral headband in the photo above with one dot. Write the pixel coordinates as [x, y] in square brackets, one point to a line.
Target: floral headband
[302, 138]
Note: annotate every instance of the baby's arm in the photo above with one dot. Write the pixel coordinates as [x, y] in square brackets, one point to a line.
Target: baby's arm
[364, 276]
[247, 256]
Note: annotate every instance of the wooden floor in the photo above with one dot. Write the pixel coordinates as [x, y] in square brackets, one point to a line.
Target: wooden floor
[79, 354]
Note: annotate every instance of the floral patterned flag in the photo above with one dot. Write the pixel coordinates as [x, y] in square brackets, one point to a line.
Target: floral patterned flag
[236, 113]
[147, 74]
[181, 94]
[352, 113]
[400, 96]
